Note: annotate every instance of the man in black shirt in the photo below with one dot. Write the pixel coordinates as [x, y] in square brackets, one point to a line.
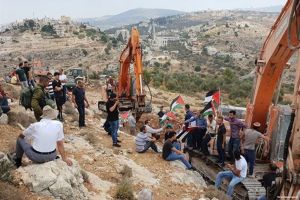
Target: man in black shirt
[161, 113]
[113, 117]
[170, 153]
[221, 139]
[78, 100]
[58, 94]
[267, 182]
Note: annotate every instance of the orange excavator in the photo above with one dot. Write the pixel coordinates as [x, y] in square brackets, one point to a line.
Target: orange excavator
[282, 42]
[131, 90]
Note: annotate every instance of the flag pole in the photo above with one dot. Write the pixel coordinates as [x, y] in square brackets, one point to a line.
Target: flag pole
[220, 109]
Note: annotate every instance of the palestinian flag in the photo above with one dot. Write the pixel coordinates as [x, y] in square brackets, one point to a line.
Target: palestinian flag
[208, 109]
[123, 116]
[176, 103]
[213, 95]
[168, 115]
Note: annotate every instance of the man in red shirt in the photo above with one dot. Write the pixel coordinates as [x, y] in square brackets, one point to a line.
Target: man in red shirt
[3, 100]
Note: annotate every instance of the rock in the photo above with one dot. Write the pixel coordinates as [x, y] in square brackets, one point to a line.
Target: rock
[140, 173]
[4, 119]
[178, 164]
[89, 112]
[101, 186]
[188, 178]
[55, 177]
[87, 158]
[145, 194]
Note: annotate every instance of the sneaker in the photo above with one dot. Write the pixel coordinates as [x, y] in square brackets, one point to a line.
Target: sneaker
[116, 145]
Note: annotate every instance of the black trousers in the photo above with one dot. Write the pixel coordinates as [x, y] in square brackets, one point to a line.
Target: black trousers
[204, 144]
[81, 111]
[197, 137]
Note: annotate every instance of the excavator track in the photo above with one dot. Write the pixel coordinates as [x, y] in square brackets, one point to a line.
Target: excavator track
[250, 188]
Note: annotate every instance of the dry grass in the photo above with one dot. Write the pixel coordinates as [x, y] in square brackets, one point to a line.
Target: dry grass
[212, 192]
[124, 190]
[22, 118]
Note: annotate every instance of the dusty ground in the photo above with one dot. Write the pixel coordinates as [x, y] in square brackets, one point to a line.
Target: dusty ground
[107, 165]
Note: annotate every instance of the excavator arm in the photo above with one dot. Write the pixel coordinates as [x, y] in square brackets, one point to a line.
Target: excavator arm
[281, 43]
[131, 54]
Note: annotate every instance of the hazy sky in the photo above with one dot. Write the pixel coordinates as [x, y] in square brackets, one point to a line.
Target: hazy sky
[11, 10]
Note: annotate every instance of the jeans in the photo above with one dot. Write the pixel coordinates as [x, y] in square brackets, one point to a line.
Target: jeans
[250, 158]
[114, 127]
[234, 145]
[262, 197]
[81, 111]
[4, 105]
[197, 135]
[228, 175]
[177, 145]
[204, 144]
[174, 156]
[151, 145]
[221, 152]
[24, 84]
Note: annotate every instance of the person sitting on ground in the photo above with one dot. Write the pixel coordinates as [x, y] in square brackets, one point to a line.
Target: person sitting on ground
[249, 139]
[237, 173]
[170, 153]
[38, 101]
[46, 135]
[221, 140]
[143, 142]
[4, 100]
[132, 123]
[211, 132]
[79, 99]
[199, 131]
[151, 131]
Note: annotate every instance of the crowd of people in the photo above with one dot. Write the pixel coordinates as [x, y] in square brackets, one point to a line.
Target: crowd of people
[196, 132]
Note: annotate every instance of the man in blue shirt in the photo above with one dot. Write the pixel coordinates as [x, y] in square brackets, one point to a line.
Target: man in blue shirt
[199, 131]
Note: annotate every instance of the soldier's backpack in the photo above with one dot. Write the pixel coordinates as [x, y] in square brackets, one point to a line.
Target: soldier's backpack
[26, 97]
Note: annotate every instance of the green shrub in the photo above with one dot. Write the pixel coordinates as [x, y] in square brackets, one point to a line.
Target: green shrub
[5, 170]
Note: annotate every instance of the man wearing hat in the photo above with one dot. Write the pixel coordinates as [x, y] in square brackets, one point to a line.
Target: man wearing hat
[46, 135]
[113, 117]
[249, 139]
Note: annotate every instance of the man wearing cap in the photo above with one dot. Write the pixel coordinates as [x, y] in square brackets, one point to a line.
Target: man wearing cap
[249, 139]
[80, 101]
[113, 117]
[152, 131]
[46, 136]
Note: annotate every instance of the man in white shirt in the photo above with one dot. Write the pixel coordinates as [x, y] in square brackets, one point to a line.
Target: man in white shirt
[46, 135]
[151, 131]
[211, 132]
[62, 77]
[237, 173]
